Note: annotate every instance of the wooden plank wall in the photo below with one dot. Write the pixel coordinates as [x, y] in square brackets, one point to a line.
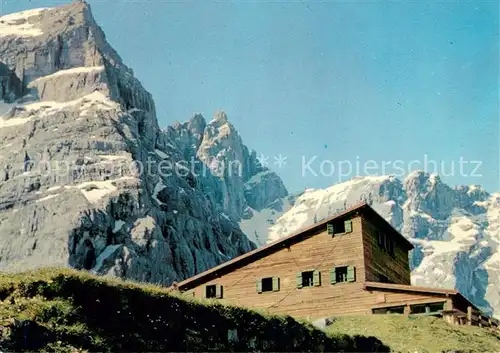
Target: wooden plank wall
[379, 262]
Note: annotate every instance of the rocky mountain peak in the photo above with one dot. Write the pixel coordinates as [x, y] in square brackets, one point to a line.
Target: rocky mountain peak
[46, 25]
[242, 182]
[43, 47]
[197, 124]
[116, 208]
[78, 125]
[219, 117]
[420, 180]
[220, 133]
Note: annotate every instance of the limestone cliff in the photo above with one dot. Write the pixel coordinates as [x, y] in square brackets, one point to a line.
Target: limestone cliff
[80, 178]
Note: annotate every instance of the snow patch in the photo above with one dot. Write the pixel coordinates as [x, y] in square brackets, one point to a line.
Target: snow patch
[413, 174]
[113, 157]
[5, 107]
[96, 190]
[106, 253]
[44, 108]
[221, 254]
[315, 205]
[493, 231]
[73, 71]
[134, 110]
[257, 178]
[17, 24]
[158, 187]
[257, 227]
[118, 225]
[96, 98]
[46, 198]
[161, 154]
[13, 122]
[181, 167]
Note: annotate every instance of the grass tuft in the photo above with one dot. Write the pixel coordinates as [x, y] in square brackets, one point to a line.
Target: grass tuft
[422, 334]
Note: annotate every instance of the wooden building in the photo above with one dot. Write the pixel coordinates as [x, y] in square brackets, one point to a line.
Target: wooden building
[352, 263]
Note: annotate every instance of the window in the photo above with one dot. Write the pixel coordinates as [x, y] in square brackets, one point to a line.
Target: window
[426, 308]
[213, 291]
[389, 310]
[417, 309]
[343, 274]
[436, 307]
[210, 291]
[384, 242]
[379, 311]
[308, 279]
[339, 227]
[268, 284]
[396, 310]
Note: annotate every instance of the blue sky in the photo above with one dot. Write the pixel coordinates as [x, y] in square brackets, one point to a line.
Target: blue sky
[340, 81]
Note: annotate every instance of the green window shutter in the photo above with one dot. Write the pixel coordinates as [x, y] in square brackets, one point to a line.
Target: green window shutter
[299, 280]
[333, 276]
[351, 274]
[329, 228]
[276, 284]
[218, 292]
[348, 226]
[259, 285]
[316, 278]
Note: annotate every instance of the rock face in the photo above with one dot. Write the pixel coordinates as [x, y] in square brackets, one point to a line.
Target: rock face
[455, 230]
[232, 174]
[87, 178]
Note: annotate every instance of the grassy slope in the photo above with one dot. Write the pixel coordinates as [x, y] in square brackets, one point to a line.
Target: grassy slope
[423, 334]
[65, 310]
